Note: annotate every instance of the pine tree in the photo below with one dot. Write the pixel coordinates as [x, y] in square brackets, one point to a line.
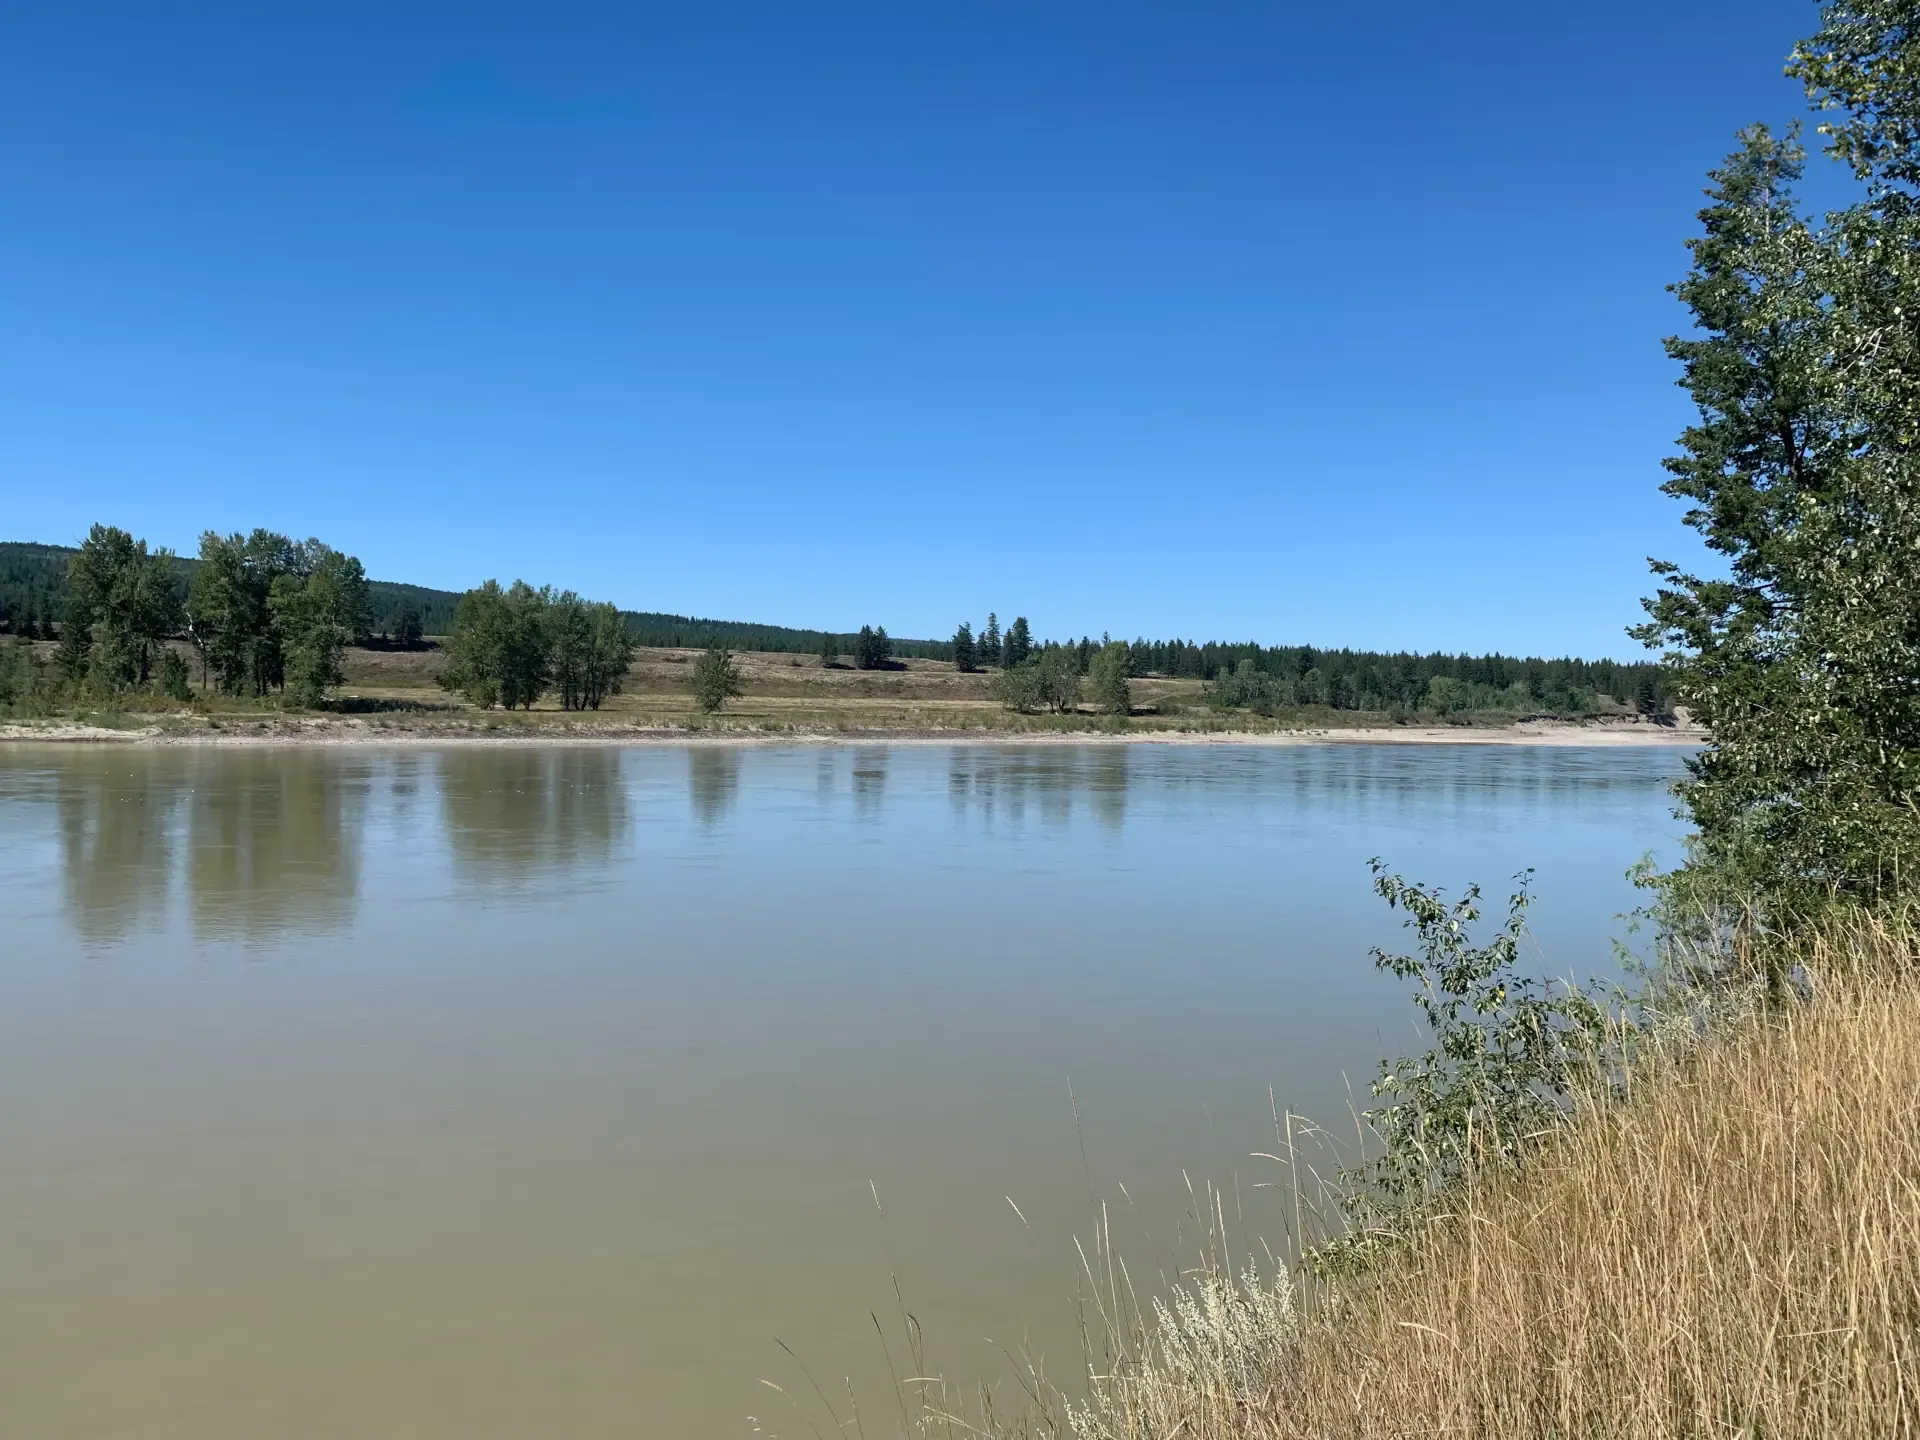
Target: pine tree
[964, 659]
[990, 646]
[1018, 644]
[829, 650]
[872, 649]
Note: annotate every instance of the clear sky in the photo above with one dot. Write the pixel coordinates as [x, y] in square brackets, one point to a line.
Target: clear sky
[1334, 324]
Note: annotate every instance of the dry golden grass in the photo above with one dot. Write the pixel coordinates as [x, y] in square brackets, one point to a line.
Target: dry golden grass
[1732, 1250]
[1735, 1251]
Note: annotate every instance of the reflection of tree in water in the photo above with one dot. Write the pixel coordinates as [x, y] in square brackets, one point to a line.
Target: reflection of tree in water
[1001, 784]
[1109, 772]
[116, 847]
[274, 842]
[511, 813]
[713, 781]
[869, 781]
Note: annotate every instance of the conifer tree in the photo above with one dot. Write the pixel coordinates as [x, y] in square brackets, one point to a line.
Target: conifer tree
[990, 642]
[964, 659]
[872, 649]
[1018, 644]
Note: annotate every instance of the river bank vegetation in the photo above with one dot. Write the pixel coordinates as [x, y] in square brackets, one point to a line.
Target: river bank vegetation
[261, 621]
[1688, 1206]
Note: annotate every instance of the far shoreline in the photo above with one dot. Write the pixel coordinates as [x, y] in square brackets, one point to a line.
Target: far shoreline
[335, 732]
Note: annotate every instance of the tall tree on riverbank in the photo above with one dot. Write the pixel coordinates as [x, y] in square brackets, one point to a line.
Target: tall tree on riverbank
[266, 612]
[497, 653]
[319, 607]
[590, 651]
[121, 604]
[990, 641]
[1804, 659]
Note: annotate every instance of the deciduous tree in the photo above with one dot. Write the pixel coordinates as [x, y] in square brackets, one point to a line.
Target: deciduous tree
[1107, 680]
[716, 679]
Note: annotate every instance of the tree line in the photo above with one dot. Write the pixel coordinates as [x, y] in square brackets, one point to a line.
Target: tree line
[262, 612]
[1270, 678]
[35, 592]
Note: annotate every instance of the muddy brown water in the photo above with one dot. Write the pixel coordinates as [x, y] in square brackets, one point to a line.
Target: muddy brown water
[488, 1092]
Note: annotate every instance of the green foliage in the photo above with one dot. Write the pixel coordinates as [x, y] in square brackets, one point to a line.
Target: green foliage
[121, 603]
[267, 612]
[318, 608]
[228, 614]
[477, 646]
[1801, 655]
[716, 679]
[964, 658]
[1107, 684]
[990, 646]
[590, 651]
[1248, 687]
[829, 649]
[1048, 681]
[872, 650]
[1019, 689]
[500, 651]
[408, 629]
[17, 667]
[171, 679]
[1059, 667]
[1510, 1053]
[1018, 645]
[27, 685]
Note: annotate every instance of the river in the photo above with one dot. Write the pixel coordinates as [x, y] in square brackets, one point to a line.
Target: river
[492, 1091]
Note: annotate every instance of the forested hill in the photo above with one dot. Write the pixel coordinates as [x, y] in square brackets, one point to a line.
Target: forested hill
[33, 585]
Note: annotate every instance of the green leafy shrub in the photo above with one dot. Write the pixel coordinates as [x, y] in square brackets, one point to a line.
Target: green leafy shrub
[1510, 1053]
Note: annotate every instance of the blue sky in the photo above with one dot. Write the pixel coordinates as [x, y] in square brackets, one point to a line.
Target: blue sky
[1327, 324]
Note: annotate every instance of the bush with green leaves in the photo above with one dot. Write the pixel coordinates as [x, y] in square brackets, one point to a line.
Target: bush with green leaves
[1511, 1052]
[716, 679]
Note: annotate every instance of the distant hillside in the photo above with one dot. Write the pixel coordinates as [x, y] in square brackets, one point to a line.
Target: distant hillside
[33, 583]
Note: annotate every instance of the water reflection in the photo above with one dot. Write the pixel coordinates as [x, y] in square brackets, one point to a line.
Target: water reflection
[511, 814]
[273, 840]
[116, 847]
[1001, 785]
[869, 782]
[713, 781]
